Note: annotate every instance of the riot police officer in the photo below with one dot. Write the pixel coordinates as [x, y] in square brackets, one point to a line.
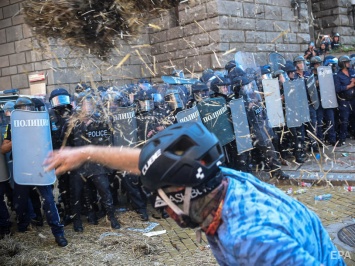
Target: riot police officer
[87, 128]
[21, 192]
[345, 88]
[59, 114]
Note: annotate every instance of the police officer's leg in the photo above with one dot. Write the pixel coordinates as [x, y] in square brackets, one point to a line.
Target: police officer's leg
[114, 187]
[21, 201]
[330, 125]
[64, 192]
[5, 223]
[103, 187]
[76, 184]
[89, 190]
[311, 127]
[52, 215]
[344, 112]
[37, 207]
[237, 161]
[320, 124]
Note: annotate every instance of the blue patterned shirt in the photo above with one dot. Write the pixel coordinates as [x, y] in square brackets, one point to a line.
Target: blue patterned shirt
[264, 226]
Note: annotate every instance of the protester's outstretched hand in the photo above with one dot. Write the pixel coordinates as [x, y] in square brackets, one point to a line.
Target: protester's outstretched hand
[65, 159]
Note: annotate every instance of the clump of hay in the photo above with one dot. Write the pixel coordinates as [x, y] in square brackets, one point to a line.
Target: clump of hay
[91, 24]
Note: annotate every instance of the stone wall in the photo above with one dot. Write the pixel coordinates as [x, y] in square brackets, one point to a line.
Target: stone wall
[205, 33]
[334, 16]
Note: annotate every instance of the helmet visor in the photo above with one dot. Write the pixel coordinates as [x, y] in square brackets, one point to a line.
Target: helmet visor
[60, 100]
[174, 101]
[146, 105]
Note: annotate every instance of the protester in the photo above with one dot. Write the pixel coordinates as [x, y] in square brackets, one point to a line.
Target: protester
[247, 222]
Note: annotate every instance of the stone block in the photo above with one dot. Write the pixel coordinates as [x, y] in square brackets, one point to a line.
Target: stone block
[288, 47]
[5, 83]
[7, 71]
[175, 33]
[14, 33]
[7, 48]
[158, 37]
[274, 37]
[290, 38]
[200, 40]
[19, 81]
[230, 8]
[1, 15]
[191, 29]
[18, 19]
[263, 25]
[255, 36]
[316, 7]
[11, 10]
[2, 36]
[272, 12]
[281, 26]
[4, 3]
[242, 23]
[195, 13]
[303, 38]
[26, 68]
[285, 3]
[17, 59]
[64, 76]
[5, 23]
[4, 61]
[288, 14]
[15, 1]
[253, 11]
[39, 66]
[23, 45]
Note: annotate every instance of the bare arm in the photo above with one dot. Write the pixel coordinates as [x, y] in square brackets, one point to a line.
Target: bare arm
[6, 146]
[66, 159]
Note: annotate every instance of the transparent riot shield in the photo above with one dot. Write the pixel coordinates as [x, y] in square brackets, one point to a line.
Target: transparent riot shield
[31, 144]
[177, 80]
[191, 114]
[326, 87]
[124, 125]
[312, 91]
[4, 173]
[296, 102]
[247, 61]
[273, 102]
[276, 61]
[215, 116]
[240, 125]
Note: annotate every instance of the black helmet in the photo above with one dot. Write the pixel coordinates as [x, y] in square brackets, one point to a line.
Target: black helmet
[219, 81]
[298, 59]
[185, 154]
[59, 97]
[8, 106]
[316, 60]
[342, 60]
[236, 72]
[336, 35]
[81, 87]
[230, 65]
[24, 103]
[206, 75]
[289, 67]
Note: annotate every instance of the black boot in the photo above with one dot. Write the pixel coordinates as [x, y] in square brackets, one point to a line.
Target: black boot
[280, 175]
[66, 220]
[61, 241]
[143, 214]
[298, 155]
[92, 219]
[4, 231]
[114, 223]
[78, 225]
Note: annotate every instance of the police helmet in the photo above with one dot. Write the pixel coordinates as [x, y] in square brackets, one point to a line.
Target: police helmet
[289, 67]
[8, 107]
[206, 75]
[266, 69]
[230, 65]
[316, 60]
[236, 72]
[24, 103]
[219, 81]
[184, 154]
[298, 59]
[81, 87]
[342, 60]
[59, 97]
[336, 35]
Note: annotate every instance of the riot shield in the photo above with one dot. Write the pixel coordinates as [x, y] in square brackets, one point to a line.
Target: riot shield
[312, 91]
[276, 61]
[124, 124]
[273, 102]
[296, 102]
[326, 87]
[4, 174]
[187, 115]
[215, 116]
[177, 80]
[31, 144]
[240, 125]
